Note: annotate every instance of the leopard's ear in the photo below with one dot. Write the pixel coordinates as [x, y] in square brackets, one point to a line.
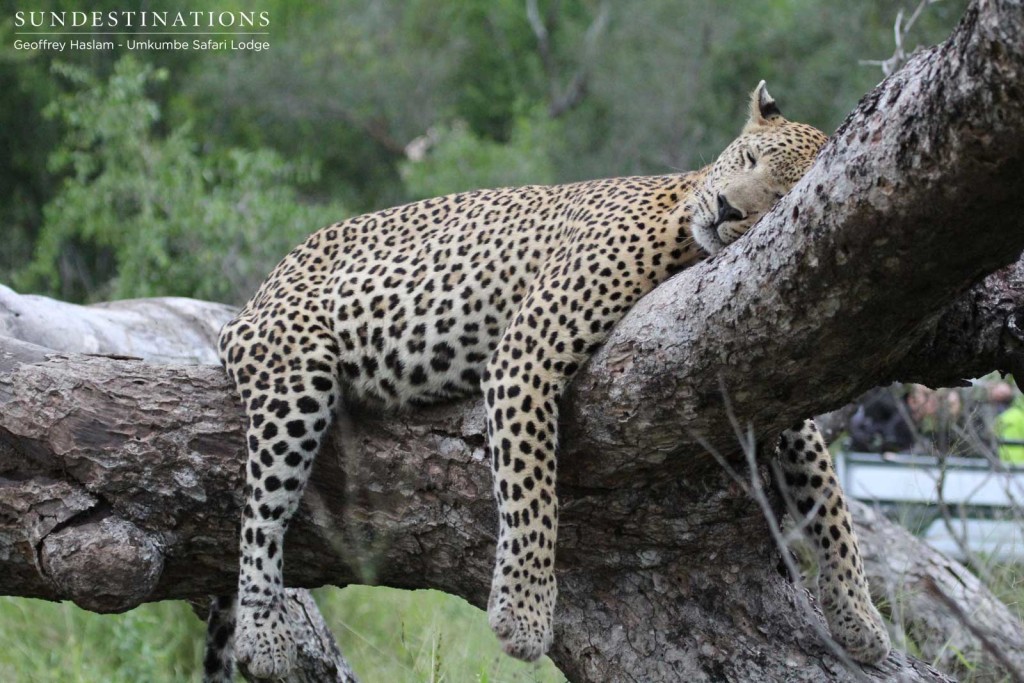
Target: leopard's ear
[763, 109]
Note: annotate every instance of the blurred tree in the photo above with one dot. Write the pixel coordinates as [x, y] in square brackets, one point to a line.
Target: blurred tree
[27, 138]
[667, 82]
[355, 82]
[653, 88]
[24, 143]
[349, 84]
[457, 159]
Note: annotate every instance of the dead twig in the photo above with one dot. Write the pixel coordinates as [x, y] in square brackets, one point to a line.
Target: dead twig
[900, 30]
[755, 489]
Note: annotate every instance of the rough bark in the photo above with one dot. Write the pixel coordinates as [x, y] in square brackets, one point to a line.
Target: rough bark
[88, 561]
[144, 460]
[666, 570]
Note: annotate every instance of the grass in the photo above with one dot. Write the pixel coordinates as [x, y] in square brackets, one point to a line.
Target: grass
[1008, 586]
[60, 643]
[416, 636]
[388, 636]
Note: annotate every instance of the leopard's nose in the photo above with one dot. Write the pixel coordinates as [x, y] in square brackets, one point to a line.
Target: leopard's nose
[726, 211]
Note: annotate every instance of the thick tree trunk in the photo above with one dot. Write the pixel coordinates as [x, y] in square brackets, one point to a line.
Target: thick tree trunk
[666, 570]
[127, 489]
[891, 556]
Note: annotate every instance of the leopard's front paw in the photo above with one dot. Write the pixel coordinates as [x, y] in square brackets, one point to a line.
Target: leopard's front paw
[520, 612]
[264, 643]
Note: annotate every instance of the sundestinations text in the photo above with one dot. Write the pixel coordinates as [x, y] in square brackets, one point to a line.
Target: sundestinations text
[141, 19]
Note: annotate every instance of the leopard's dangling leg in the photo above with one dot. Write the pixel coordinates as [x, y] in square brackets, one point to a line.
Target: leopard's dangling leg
[522, 384]
[810, 483]
[289, 391]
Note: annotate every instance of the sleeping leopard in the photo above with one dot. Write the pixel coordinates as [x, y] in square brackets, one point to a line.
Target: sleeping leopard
[504, 292]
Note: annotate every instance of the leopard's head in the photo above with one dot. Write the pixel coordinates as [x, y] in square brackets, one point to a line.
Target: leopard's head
[753, 172]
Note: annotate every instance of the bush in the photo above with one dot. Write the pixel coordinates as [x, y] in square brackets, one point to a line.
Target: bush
[140, 214]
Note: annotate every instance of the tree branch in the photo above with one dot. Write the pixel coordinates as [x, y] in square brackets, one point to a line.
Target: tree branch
[912, 201]
[164, 330]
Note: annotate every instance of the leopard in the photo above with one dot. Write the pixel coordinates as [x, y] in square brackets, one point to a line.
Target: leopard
[503, 293]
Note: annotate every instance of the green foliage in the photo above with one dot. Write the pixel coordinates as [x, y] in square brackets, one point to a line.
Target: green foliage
[498, 68]
[49, 642]
[168, 220]
[383, 73]
[24, 145]
[27, 138]
[458, 159]
[349, 84]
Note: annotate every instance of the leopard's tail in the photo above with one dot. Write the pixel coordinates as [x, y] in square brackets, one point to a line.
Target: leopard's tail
[219, 658]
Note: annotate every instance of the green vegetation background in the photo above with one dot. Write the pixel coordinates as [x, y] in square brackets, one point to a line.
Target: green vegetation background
[191, 173]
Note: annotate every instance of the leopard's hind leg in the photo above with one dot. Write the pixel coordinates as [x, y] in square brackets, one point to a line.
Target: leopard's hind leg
[289, 388]
[811, 484]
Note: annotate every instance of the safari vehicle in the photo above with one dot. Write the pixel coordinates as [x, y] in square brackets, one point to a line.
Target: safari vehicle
[961, 506]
